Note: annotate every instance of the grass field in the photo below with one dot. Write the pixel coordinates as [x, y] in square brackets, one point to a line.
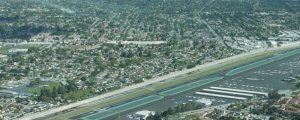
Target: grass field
[38, 89]
[4, 50]
[161, 86]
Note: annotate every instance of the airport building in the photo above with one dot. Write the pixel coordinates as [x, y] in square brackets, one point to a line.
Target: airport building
[204, 101]
[142, 115]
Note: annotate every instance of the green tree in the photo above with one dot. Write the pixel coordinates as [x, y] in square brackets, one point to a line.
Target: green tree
[61, 91]
[297, 85]
[33, 49]
[191, 117]
[84, 78]
[45, 95]
[54, 92]
[26, 70]
[273, 95]
[271, 110]
[35, 82]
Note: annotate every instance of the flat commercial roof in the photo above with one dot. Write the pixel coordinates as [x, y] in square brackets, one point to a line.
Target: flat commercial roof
[144, 112]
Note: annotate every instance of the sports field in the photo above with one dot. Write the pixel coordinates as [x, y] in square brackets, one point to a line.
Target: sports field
[262, 62]
[189, 86]
[122, 108]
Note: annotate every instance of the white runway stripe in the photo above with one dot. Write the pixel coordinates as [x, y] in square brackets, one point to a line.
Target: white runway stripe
[228, 92]
[222, 96]
[243, 91]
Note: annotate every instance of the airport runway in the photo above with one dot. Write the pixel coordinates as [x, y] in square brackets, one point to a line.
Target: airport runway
[237, 84]
[207, 66]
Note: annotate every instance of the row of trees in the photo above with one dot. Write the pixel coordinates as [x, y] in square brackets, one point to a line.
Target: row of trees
[65, 92]
[177, 109]
[47, 94]
[20, 32]
[51, 93]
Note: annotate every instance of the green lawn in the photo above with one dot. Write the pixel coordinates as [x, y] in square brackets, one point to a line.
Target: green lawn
[4, 50]
[161, 86]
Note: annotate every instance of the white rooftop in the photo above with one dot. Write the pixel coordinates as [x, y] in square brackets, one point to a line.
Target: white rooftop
[144, 113]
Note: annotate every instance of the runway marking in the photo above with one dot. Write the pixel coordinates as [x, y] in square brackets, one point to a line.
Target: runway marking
[238, 90]
[222, 96]
[228, 92]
